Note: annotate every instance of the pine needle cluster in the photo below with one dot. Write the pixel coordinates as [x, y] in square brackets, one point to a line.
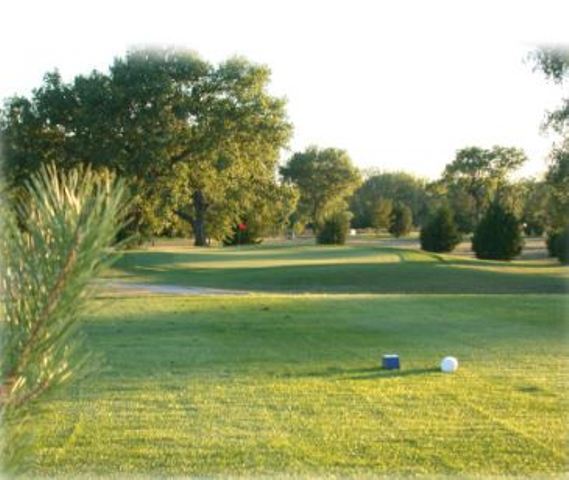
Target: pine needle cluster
[54, 240]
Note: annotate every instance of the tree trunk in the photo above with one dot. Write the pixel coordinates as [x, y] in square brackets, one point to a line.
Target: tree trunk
[198, 220]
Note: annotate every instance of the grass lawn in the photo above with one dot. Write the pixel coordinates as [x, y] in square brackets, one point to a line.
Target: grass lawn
[278, 382]
[366, 268]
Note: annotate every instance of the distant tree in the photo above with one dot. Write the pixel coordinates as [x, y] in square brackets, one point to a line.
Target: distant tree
[453, 195]
[381, 214]
[334, 229]
[498, 235]
[325, 179]
[395, 186]
[464, 207]
[440, 233]
[535, 213]
[481, 173]
[401, 220]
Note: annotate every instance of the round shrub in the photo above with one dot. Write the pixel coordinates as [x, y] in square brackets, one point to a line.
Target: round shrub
[558, 245]
[401, 221]
[498, 236]
[335, 229]
[440, 234]
[551, 242]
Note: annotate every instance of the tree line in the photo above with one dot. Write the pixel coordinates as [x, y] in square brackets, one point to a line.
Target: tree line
[199, 147]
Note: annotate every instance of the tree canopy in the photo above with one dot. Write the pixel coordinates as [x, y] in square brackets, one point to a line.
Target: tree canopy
[191, 138]
[481, 173]
[554, 62]
[325, 179]
[398, 187]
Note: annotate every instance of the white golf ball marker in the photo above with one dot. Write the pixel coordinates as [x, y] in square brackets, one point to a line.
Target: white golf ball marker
[449, 365]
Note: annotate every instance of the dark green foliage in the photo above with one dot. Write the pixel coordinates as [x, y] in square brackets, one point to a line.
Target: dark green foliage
[335, 229]
[536, 206]
[475, 176]
[401, 220]
[464, 208]
[557, 179]
[244, 233]
[441, 233]
[189, 138]
[551, 243]
[558, 244]
[398, 187]
[325, 178]
[562, 246]
[381, 213]
[498, 235]
[534, 228]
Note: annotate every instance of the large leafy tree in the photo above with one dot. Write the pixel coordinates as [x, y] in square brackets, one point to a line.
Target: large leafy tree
[234, 143]
[188, 136]
[482, 173]
[325, 179]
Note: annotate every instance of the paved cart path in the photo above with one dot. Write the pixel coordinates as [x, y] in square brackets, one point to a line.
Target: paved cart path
[118, 286]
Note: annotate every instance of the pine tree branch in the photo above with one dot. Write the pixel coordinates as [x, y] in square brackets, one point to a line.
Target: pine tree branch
[50, 305]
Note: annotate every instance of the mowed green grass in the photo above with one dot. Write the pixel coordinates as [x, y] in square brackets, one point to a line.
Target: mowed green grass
[364, 268]
[279, 383]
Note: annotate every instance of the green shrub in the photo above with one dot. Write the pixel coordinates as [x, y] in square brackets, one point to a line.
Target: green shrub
[381, 213]
[335, 229]
[441, 233]
[558, 244]
[401, 221]
[551, 242]
[245, 233]
[498, 236]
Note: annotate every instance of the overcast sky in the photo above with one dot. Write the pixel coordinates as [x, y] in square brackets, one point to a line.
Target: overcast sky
[399, 85]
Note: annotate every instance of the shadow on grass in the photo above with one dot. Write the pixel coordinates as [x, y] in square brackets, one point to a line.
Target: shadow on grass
[323, 337]
[365, 373]
[381, 373]
[450, 276]
[329, 372]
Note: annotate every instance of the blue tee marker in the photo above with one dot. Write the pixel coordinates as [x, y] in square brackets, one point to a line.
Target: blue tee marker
[390, 362]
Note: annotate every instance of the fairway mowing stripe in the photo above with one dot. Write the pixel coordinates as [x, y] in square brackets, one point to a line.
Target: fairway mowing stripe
[414, 443]
[510, 428]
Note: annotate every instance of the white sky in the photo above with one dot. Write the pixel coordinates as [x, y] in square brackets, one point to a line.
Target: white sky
[399, 85]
